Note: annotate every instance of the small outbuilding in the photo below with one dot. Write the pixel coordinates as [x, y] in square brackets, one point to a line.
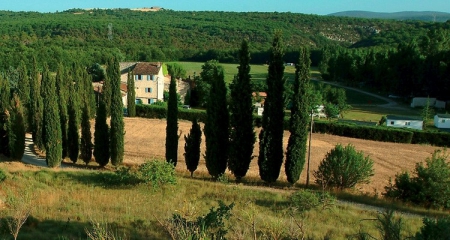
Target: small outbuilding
[404, 122]
[442, 120]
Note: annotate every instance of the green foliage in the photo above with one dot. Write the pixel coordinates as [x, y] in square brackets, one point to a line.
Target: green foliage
[344, 167]
[271, 135]
[331, 110]
[73, 136]
[192, 147]
[172, 122]
[242, 136]
[16, 130]
[37, 107]
[176, 70]
[217, 123]
[209, 226]
[24, 91]
[305, 200]
[389, 226]
[117, 132]
[86, 135]
[159, 112]
[299, 122]
[52, 123]
[62, 88]
[434, 229]
[131, 96]
[430, 185]
[157, 173]
[2, 175]
[101, 136]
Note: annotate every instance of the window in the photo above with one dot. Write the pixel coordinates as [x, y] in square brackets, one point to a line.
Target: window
[148, 77]
[151, 101]
[392, 122]
[443, 121]
[407, 123]
[138, 77]
[148, 90]
[152, 77]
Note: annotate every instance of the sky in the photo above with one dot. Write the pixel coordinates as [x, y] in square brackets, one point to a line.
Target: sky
[320, 7]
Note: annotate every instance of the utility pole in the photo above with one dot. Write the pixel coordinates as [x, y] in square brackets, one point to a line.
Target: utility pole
[309, 147]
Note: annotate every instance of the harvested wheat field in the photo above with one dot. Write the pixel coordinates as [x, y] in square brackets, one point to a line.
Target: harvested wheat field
[145, 139]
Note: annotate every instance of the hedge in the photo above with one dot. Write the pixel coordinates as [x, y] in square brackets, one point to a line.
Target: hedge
[375, 133]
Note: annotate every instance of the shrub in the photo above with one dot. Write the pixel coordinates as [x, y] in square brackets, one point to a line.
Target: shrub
[434, 229]
[430, 186]
[344, 167]
[2, 175]
[157, 173]
[306, 200]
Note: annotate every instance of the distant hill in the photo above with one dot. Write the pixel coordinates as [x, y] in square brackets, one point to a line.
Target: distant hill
[422, 16]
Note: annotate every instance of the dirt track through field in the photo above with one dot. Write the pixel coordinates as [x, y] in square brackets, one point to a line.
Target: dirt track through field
[145, 139]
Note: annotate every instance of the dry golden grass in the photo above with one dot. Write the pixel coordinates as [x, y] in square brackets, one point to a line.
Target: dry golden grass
[145, 139]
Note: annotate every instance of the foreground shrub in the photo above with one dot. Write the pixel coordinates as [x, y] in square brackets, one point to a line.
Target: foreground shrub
[429, 187]
[2, 175]
[434, 229]
[306, 200]
[209, 226]
[157, 173]
[344, 167]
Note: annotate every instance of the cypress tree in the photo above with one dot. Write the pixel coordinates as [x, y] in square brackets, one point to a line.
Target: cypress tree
[16, 130]
[86, 135]
[131, 96]
[62, 88]
[217, 120]
[242, 136]
[101, 136]
[51, 127]
[172, 123]
[296, 149]
[73, 136]
[24, 92]
[4, 103]
[107, 88]
[117, 133]
[192, 147]
[270, 156]
[37, 107]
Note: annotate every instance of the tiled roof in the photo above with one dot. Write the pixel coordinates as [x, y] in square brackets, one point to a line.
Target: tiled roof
[146, 68]
[125, 65]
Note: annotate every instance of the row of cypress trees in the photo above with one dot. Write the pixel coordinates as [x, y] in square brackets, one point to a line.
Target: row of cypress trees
[69, 103]
[230, 137]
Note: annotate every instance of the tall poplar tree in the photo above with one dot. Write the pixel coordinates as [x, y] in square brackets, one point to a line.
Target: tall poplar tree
[296, 150]
[16, 129]
[242, 137]
[192, 147]
[172, 123]
[117, 133]
[36, 107]
[131, 96]
[24, 91]
[62, 88]
[52, 124]
[270, 156]
[217, 120]
[86, 135]
[101, 135]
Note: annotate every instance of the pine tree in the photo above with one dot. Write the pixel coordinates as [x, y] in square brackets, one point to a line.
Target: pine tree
[270, 156]
[192, 147]
[51, 126]
[172, 123]
[62, 88]
[131, 96]
[86, 135]
[117, 132]
[217, 120]
[242, 137]
[101, 136]
[16, 130]
[73, 136]
[24, 92]
[296, 150]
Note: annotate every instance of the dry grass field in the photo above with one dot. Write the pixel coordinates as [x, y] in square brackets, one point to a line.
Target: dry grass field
[145, 139]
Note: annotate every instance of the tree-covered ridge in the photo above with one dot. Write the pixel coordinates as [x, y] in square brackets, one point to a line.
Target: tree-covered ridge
[176, 35]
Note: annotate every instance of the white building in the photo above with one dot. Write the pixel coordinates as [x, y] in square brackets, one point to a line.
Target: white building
[442, 120]
[404, 122]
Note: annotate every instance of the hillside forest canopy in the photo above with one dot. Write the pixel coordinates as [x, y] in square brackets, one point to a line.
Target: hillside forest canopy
[407, 58]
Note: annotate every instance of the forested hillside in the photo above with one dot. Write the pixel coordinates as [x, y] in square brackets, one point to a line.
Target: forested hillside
[84, 35]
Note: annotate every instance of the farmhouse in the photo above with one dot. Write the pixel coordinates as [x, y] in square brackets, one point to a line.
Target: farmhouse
[148, 80]
[442, 121]
[404, 122]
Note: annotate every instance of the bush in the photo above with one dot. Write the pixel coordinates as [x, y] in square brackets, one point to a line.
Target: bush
[430, 186]
[306, 200]
[434, 229]
[2, 175]
[157, 173]
[344, 167]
